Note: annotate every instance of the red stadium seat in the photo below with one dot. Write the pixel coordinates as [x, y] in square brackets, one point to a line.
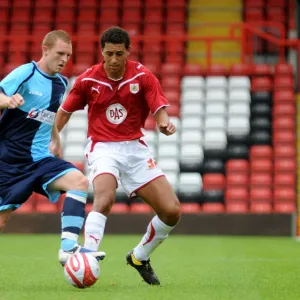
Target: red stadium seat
[284, 123]
[260, 195]
[276, 14]
[154, 47]
[150, 4]
[4, 4]
[283, 136]
[285, 179]
[27, 207]
[236, 179]
[284, 82]
[65, 15]
[236, 194]
[276, 3]
[43, 205]
[154, 16]
[22, 3]
[170, 82]
[109, 16]
[22, 15]
[262, 165]
[168, 69]
[140, 208]
[173, 110]
[153, 29]
[284, 96]
[217, 70]
[240, 70]
[193, 70]
[237, 166]
[282, 165]
[42, 15]
[237, 208]
[41, 29]
[48, 4]
[262, 70]
[178, 4]
[132, 4]
[84, 29]
[213, 181]
[66, 3]
[261, 151]
[285, 207]
[109, 4]
[283, 69]
[155, 69]
[261, 179]
[87, 4]
[175, 29]
[261, 207]
[120, 208]
[284, 109]
[131, 16]
[190, 208]
[285, 150]
[87, 15]
[175, 16]
[261, 84]
[172, 96]
[254, 14]
[213, 208]
[254, 3]
[284, 194]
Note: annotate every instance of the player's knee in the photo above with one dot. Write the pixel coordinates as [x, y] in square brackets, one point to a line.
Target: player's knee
[81, 183]
[172, 214]
[104, 201]
[3, 221]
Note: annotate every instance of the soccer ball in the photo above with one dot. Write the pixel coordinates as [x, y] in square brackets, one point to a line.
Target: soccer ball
[82, 270]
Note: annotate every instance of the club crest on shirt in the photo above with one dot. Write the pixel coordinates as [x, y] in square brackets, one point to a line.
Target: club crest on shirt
[116, 113]
[134, 88]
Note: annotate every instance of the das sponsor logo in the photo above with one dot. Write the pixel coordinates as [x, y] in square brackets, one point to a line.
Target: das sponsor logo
[116, 113]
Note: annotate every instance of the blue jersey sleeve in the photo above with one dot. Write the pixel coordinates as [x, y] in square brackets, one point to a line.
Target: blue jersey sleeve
[14, 80]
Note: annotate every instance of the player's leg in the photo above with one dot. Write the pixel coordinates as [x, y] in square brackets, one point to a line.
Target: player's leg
[147, 181]
[4, 216]
[104, 197]
[104, 173]
[75, 184]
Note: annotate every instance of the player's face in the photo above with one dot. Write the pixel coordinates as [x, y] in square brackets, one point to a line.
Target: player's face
[57, 56]
[115, 56]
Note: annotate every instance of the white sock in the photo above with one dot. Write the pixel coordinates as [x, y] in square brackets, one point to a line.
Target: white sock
[157, 232]
[94, 230]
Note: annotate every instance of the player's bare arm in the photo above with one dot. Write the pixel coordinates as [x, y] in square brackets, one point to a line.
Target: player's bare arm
[10, 102]
[62, 118]
[55, 145]
[163, 122]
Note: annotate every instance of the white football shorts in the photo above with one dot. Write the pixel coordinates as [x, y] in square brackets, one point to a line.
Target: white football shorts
[130, 162]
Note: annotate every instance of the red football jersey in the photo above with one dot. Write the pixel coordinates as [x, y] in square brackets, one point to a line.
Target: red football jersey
[117, 110]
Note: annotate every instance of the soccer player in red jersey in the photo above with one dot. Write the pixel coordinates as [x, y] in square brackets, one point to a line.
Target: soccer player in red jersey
[120, 94]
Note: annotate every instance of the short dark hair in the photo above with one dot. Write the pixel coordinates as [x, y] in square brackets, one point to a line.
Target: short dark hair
[115, 35]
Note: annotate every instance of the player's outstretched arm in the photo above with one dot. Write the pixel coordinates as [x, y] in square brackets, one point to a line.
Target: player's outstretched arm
[10, 102]
[163, 122]
[62, 118]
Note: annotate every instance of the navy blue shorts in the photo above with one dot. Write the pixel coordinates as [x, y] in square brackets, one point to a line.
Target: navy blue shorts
[18, 182]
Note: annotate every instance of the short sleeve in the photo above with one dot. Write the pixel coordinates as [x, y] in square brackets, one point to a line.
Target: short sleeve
[153, 93]
[76, 99]
[14, 80]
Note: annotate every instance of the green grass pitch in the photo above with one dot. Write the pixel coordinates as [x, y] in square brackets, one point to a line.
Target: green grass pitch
[189, 267]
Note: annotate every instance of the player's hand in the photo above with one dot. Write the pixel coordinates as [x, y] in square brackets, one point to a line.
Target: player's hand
[56, 149]
[15, 100]
[167, 128]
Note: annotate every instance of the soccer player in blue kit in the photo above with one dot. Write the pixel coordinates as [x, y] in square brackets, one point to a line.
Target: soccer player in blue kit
[30, 147]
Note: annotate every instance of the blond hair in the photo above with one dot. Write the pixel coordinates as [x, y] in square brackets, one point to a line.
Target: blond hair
[51, 38]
